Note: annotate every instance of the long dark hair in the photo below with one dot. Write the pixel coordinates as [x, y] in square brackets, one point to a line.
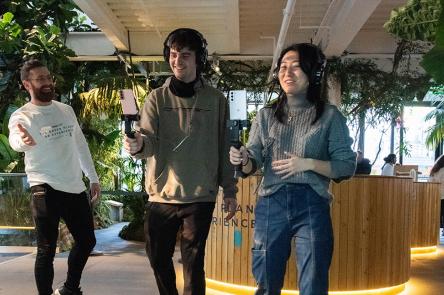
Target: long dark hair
[438, 165]
[391, 158]
[311, 60]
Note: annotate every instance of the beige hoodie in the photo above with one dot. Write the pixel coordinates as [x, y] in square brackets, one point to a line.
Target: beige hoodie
[186, 145]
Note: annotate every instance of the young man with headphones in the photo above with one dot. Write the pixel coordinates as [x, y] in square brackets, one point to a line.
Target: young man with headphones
[302, 143]
[182, 134]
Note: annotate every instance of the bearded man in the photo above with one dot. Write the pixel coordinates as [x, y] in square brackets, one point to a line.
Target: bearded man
[56, 153]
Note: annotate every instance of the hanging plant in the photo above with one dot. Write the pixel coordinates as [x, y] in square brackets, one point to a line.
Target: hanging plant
[433, 61]
[417, 20]
[367, 89]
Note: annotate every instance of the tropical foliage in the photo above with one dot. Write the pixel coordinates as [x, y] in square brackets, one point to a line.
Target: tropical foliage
[22, 37]
[365, 88]
[37, 28]
[14, 202]
[417, 20]
[433, 61]
[421, 20]
[10, 161]
[15, 209]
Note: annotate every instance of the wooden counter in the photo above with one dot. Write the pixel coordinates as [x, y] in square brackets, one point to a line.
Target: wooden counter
[425, 217]
[372, 238]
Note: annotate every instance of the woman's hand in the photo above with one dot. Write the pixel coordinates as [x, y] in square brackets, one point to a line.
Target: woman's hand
[294, 164]
[238, 156]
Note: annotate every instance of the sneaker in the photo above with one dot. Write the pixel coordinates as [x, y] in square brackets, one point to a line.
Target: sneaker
[65, 291]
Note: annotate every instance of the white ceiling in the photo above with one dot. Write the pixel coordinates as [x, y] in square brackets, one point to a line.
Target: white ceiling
[247, 28]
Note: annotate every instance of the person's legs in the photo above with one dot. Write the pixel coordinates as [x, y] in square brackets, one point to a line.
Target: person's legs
[161, 226]
[45, 212]
[272, 243]
[314, 238]
[196, 220]
[79, 220]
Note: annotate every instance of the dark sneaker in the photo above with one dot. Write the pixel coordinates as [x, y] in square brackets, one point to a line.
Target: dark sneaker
[65, 291]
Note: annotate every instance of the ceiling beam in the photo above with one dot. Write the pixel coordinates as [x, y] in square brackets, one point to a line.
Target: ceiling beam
[341, 23]
[232, 24]
[105, 19]
[288, 13]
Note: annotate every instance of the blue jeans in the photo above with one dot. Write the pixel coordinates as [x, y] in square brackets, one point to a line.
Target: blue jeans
[295, 210]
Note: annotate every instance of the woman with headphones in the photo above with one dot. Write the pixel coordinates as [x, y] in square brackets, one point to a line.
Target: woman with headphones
[301, 142]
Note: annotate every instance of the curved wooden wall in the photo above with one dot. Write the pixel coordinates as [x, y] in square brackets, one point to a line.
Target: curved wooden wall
[372, 233]
[371, 227]
[425, 214]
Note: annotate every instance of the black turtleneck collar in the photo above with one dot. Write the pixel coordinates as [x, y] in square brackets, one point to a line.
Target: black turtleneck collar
[180, 88]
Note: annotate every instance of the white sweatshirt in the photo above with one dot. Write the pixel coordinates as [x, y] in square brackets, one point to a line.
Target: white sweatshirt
[388, 169]
[61, 151]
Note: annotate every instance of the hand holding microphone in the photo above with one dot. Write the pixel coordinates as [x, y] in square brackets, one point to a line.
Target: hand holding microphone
[238, 156]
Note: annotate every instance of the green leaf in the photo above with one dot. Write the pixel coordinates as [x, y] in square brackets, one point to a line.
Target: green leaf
[433, 63]
[414, 21]
[5, 119]
[8, 17]
[54, 30]
[7, 154]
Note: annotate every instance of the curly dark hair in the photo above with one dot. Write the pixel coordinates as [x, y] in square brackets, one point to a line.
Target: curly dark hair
[186, 37]
[28, 66]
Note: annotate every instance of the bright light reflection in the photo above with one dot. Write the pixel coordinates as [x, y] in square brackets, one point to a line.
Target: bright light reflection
[230, 289]
[423, 250]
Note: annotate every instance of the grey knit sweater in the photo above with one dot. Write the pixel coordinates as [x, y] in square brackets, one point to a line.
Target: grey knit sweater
[328, 140]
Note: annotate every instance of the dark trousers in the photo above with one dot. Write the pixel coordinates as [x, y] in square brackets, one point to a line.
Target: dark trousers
[162, 223]
[48, 206]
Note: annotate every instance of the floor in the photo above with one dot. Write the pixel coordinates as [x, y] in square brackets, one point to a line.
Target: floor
[123, 269]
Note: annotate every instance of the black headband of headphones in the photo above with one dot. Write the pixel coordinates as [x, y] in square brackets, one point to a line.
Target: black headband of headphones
[201, 52]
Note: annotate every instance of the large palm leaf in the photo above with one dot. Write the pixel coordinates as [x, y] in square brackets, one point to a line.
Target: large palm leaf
[436, 132]
[7, 155]
[104, 100]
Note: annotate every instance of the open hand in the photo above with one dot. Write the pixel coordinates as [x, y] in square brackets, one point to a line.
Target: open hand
[95, 192]
[288, 167]
[26, 137]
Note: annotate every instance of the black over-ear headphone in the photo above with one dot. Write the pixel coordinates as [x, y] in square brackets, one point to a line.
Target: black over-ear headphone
[319, 67]
[202, 52]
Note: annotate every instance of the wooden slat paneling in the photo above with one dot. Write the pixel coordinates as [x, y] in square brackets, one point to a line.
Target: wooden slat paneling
[425, 214]
[371, 226]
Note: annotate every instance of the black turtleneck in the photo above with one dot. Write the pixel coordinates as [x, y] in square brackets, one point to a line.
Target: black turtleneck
[180, 88]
